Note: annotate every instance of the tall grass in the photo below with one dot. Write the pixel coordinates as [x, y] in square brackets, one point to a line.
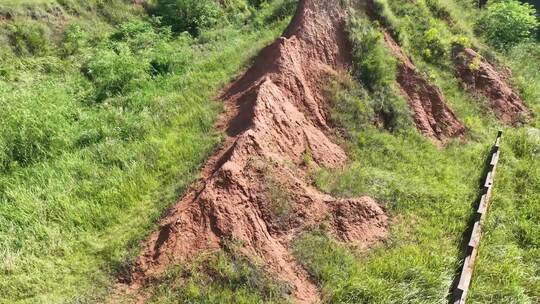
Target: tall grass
[98, 135]
[220, 278]
[430, 192]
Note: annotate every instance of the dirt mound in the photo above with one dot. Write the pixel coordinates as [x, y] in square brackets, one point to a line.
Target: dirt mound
[481, 78]
[433, 117]
[255, 190]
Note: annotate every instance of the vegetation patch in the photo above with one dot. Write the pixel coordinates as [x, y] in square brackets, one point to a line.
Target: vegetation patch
[220, 278]
[100, 130]
[431, 192]
[508, 23]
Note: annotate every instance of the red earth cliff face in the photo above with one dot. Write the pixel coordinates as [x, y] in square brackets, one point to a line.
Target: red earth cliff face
[433, 117]
[275, 116]
[482, 79]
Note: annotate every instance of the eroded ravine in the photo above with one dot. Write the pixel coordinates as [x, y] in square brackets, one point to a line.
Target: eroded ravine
[484, 81]
[431, 114]
[276, 115]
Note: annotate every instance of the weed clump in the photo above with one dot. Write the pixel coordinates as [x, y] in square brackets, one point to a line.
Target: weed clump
[375, 98]
[373, 64]
[508, 23]
[221, 278]
[188, 15]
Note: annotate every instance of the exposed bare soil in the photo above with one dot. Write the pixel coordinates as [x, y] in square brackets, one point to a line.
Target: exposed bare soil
[256, 190]
[482, 79]
[433, 117]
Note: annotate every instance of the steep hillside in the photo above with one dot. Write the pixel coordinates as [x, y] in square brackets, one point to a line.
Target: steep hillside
[106, 118]
[245, 151]
[276, 116]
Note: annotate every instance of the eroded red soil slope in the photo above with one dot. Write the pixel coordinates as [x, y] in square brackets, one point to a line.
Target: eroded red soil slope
[482, 79]
[256, 190]
[433, 117]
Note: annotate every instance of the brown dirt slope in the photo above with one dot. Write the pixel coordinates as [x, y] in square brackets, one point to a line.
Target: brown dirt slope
[433, 117]
[481, 78]
[256, 190]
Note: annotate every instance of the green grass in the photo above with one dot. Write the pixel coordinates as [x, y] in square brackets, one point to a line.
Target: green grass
[217, 278]
[107, 117]
[430, 192]
[99, 133]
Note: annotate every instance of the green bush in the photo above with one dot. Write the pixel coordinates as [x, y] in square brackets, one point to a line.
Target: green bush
[115, 72]
[434, 48]
[29, 38]
[373, 64]
[75, 38]
[188, 15]
[508, 23]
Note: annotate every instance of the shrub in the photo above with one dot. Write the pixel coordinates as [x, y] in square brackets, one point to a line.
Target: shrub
[372, 63]
[141, 35]
[434, 47]
[28, 38]
[188, 15]
[115, 72]
[508, 23]
[238, 11]
[75, 38]
[439, 10]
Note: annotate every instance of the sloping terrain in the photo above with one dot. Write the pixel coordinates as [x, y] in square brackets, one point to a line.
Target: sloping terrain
[105, 119]
[146, 157]
[433, 117]
[276, 117]
[482, 79]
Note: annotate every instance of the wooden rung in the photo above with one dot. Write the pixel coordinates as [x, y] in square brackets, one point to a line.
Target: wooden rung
[475, 235]
[482, 207]
[495, 158]
[466, 274]
[489, 180]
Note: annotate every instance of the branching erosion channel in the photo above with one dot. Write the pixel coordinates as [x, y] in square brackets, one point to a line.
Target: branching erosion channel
[459, 294]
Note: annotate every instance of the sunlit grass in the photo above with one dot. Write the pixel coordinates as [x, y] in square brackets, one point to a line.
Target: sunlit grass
[430, 194]
[85, 177]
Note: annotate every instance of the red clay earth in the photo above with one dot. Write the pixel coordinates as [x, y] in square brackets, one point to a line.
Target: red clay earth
[482, 79]
[433, 117]
[256, 190]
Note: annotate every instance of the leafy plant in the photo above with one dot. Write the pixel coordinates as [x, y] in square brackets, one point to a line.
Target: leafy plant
[188, 15]
[75, 38]
[29, 38]
[113, 72]
[373, 64]
[507, 23]
[434, 47]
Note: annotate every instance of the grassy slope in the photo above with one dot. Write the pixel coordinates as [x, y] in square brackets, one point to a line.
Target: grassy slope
[430, 192]
[94, 173]
[89, 162]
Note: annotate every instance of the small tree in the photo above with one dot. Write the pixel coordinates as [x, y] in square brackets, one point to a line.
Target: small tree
[508, 23]
[188, 15]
